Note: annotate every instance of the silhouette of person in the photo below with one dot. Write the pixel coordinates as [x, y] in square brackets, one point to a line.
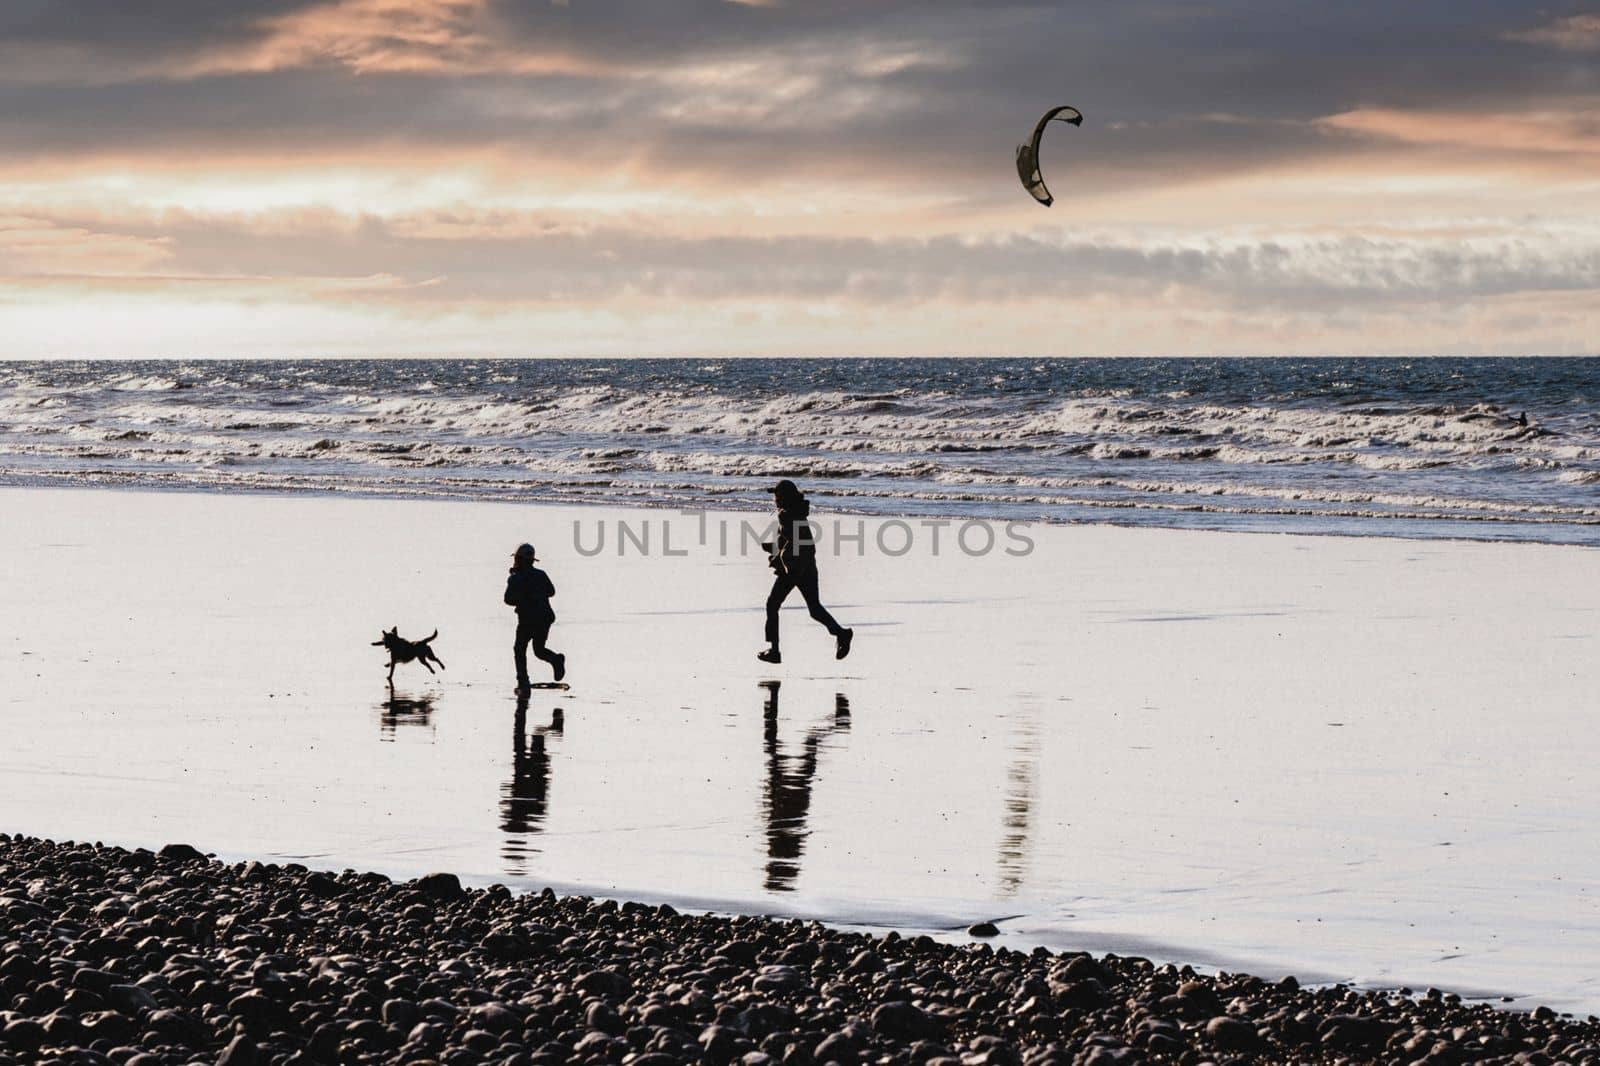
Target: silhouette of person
[793, 558]
[529, 589]
[788, 798]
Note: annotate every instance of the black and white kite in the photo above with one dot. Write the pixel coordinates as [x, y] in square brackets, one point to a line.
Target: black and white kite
[1028, 154]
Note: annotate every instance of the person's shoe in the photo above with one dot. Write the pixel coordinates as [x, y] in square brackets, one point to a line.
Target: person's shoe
[769, 656]
[560, 667]
[843, 647]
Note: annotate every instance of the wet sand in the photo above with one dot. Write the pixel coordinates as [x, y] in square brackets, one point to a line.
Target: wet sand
[1350, 759]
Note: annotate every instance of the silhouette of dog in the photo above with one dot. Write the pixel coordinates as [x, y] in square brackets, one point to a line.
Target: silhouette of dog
[402, 650]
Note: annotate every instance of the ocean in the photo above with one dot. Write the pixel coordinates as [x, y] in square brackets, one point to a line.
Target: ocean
[1457, 448]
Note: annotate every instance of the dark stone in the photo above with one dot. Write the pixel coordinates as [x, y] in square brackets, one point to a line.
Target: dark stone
[440, 887]
[93, 980]
[323, 887]
[255, 1007]
[171, 1024]
[720, 1043]
[241, 1051]
[601, 1016]
[494, 1017]
[1111, 1056]
[23, 1034]
[1201, 993]
[778, 979]
[109, 1025]
[426, 1035]
[131, 999]
[1232, 1034]
[182, 853]
[863, 962]
[400, 1013]
[602, 983]
[1353, 1032]
[480, 1041]
[983, 929]
[841, 1047]
[903, 1021]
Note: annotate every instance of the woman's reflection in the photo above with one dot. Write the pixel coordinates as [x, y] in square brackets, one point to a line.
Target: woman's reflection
[525, 799]
[788, 795]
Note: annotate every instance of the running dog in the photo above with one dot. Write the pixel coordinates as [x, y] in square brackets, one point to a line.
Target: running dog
[402, 650]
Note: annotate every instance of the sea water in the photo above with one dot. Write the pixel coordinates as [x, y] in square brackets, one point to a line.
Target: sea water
[1464, 448]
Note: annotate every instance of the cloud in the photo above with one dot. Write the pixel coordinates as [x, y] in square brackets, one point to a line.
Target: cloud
[1569, 134]
[1574, 33]
[526, 261]
[929, 93]
[40, 248]
[1244, 161]
[365, 36]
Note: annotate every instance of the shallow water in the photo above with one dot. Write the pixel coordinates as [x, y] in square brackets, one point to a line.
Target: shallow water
[1347, 758]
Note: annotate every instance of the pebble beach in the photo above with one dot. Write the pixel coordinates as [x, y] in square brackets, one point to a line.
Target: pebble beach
[142, 958]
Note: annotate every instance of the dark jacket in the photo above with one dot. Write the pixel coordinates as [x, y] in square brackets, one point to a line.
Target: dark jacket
[797, 541]
[529, 591]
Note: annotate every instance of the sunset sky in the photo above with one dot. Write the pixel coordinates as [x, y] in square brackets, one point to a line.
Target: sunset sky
[196, 178]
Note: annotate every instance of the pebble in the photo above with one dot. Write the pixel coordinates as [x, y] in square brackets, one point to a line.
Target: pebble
[131, 958]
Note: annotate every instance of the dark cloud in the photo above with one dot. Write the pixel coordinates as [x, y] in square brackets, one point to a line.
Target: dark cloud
[153, 28]
[111, 42]
[930, 92]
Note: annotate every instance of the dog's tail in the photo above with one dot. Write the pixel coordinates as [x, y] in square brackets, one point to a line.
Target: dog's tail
[425, 640]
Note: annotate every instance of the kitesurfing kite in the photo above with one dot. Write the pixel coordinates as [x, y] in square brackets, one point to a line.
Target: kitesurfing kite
[1028, 154]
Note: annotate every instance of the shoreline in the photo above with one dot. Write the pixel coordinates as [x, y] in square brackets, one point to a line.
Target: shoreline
[727, 505]
[138, 958]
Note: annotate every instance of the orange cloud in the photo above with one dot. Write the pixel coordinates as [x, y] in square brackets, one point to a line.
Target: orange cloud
[1562, 132]
[387, 37]
[31, 247]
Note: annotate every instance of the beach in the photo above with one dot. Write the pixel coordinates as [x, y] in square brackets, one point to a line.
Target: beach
[1353, 760]
[1038, 540]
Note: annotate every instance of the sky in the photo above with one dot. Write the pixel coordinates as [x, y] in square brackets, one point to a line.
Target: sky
[257, 178]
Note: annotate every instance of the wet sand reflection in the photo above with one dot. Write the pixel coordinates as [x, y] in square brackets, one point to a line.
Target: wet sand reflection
[1021, 785]
[787, 800]
[400, 710]
[525, 798]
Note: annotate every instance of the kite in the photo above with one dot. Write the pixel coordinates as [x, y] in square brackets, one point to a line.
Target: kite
[1028, 154]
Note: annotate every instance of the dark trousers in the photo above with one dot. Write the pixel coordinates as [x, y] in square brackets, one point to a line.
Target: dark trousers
[806, 581]
[535, 632]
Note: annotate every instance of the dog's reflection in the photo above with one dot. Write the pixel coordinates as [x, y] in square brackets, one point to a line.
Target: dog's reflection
[787, 802]
[400, 709]
[525, 799]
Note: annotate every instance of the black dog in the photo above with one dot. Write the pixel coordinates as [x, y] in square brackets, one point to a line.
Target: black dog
[402, 650]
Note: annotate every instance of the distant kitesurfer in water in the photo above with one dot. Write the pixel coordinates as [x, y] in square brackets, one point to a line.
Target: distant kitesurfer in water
[529, 589]
[793, 558]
